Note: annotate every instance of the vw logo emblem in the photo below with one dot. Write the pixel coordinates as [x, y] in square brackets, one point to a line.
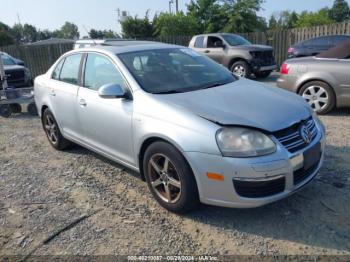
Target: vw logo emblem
[306, 134]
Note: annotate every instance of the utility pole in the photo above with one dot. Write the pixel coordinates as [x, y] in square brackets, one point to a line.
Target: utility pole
[177, 5]
[170, 3]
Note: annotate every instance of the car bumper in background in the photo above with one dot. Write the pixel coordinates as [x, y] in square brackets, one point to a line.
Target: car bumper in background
[253, 182]
[287, 83]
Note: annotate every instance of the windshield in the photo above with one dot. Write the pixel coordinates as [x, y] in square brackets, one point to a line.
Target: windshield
[234, 40]
[174, 70]
[6, 60]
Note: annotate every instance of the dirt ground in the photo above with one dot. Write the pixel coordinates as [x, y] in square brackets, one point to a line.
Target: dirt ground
[43, 190]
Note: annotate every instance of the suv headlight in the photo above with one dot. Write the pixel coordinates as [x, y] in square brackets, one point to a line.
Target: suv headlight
[243, 142]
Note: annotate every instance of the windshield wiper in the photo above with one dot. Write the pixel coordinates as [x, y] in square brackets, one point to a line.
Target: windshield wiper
[214, 85]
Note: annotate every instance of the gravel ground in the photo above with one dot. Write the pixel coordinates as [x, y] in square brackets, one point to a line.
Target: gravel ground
[43, 190]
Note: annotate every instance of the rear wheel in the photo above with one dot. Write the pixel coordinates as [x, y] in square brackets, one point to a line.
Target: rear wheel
[16, 108]
[263, 74]
[5, 111]
[319, 95]
[169, 178]
[241, 69]
[53, 132]
[32, 109]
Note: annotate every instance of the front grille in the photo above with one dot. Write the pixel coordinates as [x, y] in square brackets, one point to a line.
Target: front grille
[14, 74]
[256, 189]
[300, 175]
[291, 138]
[264, 58]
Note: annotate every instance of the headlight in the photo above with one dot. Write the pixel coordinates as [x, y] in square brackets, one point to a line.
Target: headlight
[243, 142]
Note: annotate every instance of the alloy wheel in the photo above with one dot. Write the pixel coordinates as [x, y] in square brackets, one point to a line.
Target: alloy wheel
[317, 97]
[51, 129]
[164, 178]
[239, 71]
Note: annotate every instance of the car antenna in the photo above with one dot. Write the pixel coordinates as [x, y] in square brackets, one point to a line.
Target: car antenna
[93, 40]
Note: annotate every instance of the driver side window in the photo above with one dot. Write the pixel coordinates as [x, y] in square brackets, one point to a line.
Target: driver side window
[214, 42]
[99, 70]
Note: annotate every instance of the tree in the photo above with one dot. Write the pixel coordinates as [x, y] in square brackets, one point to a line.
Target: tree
[69, 31]
[5, 35]
[44, 34]
[283, 20]
[208, 14]
[29, 33]
[175, 24]
[321, 17]
[17, 32]
[134, 27]
[340, 11]
[99, 34]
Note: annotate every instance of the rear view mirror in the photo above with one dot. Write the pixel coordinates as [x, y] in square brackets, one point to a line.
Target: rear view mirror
[112, 91]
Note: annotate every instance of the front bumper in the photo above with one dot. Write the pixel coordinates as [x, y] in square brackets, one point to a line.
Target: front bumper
[280, 166]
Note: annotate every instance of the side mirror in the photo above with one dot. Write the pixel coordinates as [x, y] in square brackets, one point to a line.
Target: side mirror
[112, 91]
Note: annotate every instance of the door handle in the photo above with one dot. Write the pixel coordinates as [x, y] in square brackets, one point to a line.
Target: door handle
[206, 51]
[82, 102]
[52, 93]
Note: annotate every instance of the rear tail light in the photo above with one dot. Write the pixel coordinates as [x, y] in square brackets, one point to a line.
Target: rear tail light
[285, 69]
[291, 50]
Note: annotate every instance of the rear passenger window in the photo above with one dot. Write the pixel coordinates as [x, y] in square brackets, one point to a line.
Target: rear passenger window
[57, 71]
[99, 71]
[199, 43]
[70, 69]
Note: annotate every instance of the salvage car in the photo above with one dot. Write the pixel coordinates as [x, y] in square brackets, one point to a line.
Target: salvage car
[314, 46]
[16, 75]
[194, 131]
[323, 80]
[236, 53]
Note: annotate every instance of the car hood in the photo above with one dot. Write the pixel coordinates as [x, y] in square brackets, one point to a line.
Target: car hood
[245, 103]
[254, 47]
[13, 67]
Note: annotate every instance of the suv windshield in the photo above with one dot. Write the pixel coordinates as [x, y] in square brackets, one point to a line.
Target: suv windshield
[234, 40]
[174, 70]
[6, 60]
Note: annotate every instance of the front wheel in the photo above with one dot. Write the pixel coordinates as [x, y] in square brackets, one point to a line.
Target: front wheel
[169, 178]
[319, 95]
[241, 69]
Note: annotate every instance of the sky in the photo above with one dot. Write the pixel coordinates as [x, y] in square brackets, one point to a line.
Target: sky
[102, 14]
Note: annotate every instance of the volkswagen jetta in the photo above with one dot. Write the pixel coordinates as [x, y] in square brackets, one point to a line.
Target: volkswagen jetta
[194, 131]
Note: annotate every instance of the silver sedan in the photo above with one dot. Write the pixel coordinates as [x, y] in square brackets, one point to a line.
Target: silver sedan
[194, 131]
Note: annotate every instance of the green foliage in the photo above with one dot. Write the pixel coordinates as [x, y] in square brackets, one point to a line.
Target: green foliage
[134, 27]
[321, 17]
[175, 24]
[283, 20]
[102, 34]
[5, 35]
[242, 16]
[68, 31]
[340, 11]
[29, 33]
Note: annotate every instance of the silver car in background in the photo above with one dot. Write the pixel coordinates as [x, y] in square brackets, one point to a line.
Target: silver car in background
[194, 131]
[323, 80]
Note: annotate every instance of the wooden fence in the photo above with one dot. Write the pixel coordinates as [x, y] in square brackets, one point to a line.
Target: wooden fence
[40, 58]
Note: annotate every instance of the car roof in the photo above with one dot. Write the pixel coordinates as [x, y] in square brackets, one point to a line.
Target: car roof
[215, 34]
[128, 46]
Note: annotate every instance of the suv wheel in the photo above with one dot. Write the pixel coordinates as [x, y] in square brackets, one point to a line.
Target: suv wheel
[53, 132]
[319, 95]
[263, 74]
[5, 111]
[241, 69]
[169, 178]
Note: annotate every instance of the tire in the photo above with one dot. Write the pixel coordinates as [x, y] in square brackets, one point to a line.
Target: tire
[16, 108]
[32, 109]
[263, 74]
[241, 69]
[177, 177]
[53, 132]
[5, 111]
[319, 95]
